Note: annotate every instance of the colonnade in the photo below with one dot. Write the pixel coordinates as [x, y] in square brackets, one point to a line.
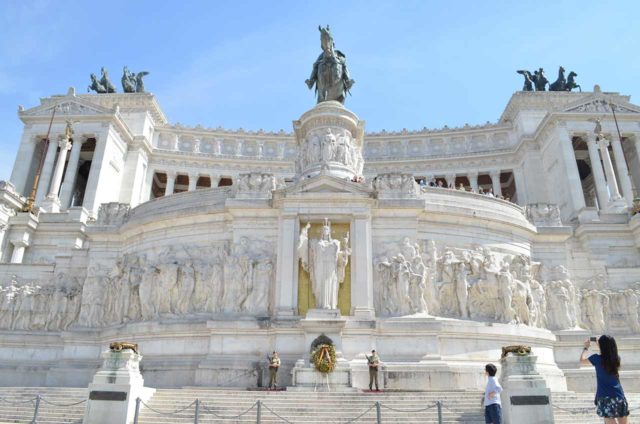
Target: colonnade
[172, 176]
[472, 176]
[613, 186]
[53, 192]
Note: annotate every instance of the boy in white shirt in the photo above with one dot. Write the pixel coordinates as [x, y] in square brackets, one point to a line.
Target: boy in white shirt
[492, 406]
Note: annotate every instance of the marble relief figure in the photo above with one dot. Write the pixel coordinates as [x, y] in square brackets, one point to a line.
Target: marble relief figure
[484, 285]
[325, 259]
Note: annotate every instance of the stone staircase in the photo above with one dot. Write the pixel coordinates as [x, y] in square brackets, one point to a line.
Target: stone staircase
[17, 404]
[220, 406]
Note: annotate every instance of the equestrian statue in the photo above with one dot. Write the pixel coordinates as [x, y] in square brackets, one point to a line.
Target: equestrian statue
[330, 75]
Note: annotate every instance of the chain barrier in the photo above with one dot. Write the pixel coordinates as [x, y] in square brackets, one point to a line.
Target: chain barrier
[409, 411]
[169, 414]
[18, 402]
[352, 420]
[276, 414]
[228, 417]
[588, 410]
[62, 405]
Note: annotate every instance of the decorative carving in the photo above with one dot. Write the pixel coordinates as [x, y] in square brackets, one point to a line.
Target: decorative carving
[600, 106]
[396, 186]
[255, 185]
[113, 213]
[518, 350]
[31, 305]
[543, 214]
[403, 279]
[334, 145]
[119, 346]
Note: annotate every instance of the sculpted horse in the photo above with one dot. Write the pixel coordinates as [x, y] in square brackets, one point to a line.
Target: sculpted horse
[330, 75]
[571, 82]
[560, 83]
[128, 81]
[96, 86]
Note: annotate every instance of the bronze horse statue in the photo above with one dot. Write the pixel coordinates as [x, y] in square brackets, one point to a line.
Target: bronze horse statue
[560, 83]
[330, 75]
[571, 82]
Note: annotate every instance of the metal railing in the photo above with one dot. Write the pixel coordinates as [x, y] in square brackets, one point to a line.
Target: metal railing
[201, 409]
[37, 401]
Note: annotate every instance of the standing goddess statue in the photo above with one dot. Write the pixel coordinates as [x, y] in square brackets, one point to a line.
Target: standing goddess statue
[325, 260]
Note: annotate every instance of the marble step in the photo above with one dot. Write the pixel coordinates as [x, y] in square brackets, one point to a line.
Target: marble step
[296, 407]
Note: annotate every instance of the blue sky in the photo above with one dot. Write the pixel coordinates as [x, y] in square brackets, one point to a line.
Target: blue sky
[243, 63]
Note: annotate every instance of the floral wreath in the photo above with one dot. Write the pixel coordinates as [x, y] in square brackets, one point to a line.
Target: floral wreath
[323, 358]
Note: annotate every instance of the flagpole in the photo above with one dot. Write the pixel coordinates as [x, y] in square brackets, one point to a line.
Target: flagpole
[32, 197]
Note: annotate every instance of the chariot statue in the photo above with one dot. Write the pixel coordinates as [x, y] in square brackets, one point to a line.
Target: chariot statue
[538, 80]
[330, 75]
[132, 82]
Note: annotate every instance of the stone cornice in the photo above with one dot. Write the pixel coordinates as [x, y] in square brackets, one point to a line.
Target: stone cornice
[554, 101]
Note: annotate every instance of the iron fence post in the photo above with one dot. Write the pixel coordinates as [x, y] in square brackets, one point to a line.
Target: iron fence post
[135, 416]
[258, 412]
[378, 413]
[195, 419]
[35, 411]
[439, 405]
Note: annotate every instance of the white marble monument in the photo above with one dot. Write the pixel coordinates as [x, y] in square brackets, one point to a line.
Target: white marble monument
[190, 241]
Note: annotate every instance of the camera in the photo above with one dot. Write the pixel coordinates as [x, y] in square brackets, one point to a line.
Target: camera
[593, 339]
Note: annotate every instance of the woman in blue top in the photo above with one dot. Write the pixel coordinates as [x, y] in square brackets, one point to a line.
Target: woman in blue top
[610, 401]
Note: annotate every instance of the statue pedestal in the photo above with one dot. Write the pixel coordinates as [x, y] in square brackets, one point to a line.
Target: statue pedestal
[330, 139]
[306, 378]
[526, 399]
[323, 321]
[115, 388]
[330, 323]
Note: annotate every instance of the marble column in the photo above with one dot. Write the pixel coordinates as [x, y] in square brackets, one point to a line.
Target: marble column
[362, 269]
[598, 174]
[473, 181]
[193, 181]
[20, 175]
[19, 247]
[521, 189]
[623, 171]
[3, 232]
[91, 200]
[495, 181]
[52, 201]
[612, 183]
[70, 176]
[451, 180]
[45, 173]
[215, 180]
[287, 266]
[148, 183]
[572, 180]
[171, 183]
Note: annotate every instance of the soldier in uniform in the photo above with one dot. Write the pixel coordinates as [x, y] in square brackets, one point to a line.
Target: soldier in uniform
[374, 363]
[274, 364]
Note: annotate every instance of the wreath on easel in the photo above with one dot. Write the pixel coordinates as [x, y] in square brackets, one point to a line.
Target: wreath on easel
[323, 354]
